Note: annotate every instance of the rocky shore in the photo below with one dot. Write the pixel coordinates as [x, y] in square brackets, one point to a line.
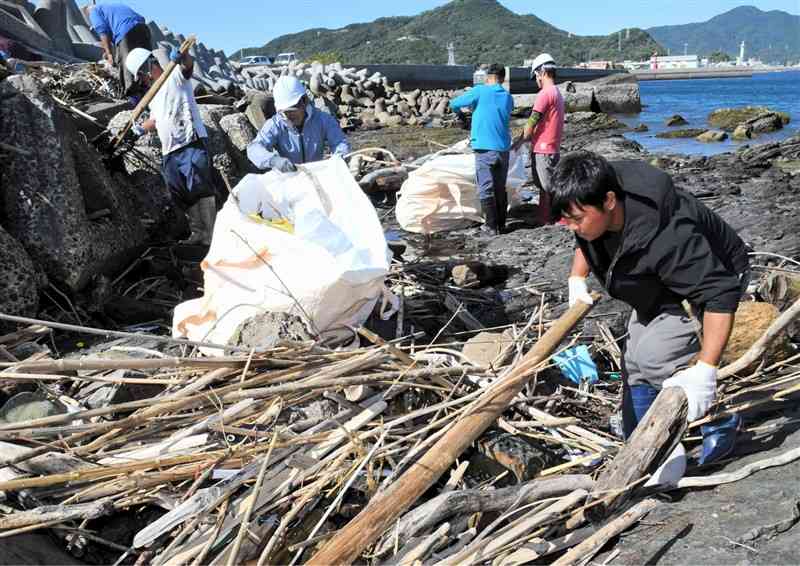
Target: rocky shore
[73, 226]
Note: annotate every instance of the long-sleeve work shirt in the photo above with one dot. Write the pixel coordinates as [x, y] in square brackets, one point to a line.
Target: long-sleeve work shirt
[279, 136]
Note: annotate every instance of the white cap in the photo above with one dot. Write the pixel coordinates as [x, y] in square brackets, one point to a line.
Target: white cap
[287, 92]
[136, 58]
[544, 60]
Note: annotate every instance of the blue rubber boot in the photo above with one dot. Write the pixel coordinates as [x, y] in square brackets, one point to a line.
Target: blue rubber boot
[719, 438]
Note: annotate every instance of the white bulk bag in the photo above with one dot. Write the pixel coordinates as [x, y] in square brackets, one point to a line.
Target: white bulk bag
[442, 194]
[307, 243]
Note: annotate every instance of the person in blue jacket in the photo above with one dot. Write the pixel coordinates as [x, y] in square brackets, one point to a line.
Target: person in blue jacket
[298, 132]
[491, 106]
[121, 30]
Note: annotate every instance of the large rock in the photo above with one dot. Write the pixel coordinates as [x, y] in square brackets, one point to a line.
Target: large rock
[682, 133]
[239, 130]
[579, 100]
[49, 195]
[240, 133]
[712, 136]
[152, 200]
[618, 93]
[765, 123]
[728, 118]
[19, 284]
[260, 109]
[742, 132]
[218, 142]
[51, 15]
[676, 120]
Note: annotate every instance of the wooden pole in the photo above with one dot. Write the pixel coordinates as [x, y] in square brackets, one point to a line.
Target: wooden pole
[649, 445]
[382, 511]
[153, 91]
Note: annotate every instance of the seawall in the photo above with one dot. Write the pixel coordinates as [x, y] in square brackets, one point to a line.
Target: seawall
[518, 79]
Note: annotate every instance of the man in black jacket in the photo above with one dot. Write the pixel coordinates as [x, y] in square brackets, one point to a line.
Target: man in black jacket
[660, 250]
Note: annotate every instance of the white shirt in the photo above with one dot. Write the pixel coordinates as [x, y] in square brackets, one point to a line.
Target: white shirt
[176, 113]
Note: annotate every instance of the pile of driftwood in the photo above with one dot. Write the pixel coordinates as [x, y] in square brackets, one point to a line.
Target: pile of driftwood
[309, 454]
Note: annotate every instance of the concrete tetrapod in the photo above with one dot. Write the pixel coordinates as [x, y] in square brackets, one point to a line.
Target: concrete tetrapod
[382, 511]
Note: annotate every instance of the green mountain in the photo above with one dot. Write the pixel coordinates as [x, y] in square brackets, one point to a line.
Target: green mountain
[482, 31]
[773, 37]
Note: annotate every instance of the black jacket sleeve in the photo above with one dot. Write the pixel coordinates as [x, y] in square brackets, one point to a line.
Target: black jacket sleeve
[687, 265]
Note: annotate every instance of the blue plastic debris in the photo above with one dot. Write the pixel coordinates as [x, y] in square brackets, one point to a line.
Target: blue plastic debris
[577, 365]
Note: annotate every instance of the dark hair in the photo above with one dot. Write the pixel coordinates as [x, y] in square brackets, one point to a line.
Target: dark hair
[497, 70]
[582, 178]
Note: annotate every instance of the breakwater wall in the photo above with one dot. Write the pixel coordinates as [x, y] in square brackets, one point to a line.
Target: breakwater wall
[518, 79]
[683, 74]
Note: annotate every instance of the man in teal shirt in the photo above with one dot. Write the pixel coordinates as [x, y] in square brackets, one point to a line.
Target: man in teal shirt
[491, 106]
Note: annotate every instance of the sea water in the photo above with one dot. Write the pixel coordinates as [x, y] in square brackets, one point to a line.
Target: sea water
[696, 99]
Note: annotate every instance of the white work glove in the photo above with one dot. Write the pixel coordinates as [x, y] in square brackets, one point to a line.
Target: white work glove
[579, 291]
[281, 164]
[138, 130]
[699, 382]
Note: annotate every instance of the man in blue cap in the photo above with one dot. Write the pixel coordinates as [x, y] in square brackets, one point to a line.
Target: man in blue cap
[121, 30]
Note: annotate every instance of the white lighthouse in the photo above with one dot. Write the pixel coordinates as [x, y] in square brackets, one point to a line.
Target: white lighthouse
[740, 60]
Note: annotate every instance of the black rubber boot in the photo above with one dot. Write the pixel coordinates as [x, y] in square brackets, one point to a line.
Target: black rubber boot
[501, 198]
[489, 206]
[545, 200]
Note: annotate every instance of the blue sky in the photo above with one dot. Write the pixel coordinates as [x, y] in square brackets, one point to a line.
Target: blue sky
[231, 24]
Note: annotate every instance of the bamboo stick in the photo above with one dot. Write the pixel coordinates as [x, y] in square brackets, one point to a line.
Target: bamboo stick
[588, 548]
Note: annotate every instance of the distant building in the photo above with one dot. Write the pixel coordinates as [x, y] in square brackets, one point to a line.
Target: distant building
[661, 62]
[677, 62]
[597, 65]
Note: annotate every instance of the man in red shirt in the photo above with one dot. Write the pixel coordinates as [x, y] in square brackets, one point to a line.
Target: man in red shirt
[544, 130]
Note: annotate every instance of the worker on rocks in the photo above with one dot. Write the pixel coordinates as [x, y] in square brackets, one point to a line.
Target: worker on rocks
[121, 30]
[297, 134]
[490, 137]
[544, 130]
[175, 116]
[676, 263]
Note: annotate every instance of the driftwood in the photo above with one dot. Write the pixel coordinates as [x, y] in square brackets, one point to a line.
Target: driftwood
[383, 509]
[59, 513]
[480, 551]
[386, 176]
[588, 548]
[117, 333]
[538, 548]
[208, 498]
[651, 442]
[468, 501]
[748, 470]
[419, 549]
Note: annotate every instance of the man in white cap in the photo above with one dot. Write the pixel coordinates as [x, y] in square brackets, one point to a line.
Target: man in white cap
[174, 114]
[298, 132]
[544, 130]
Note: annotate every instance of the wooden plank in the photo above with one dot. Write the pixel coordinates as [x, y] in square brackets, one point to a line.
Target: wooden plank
[382, 511]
